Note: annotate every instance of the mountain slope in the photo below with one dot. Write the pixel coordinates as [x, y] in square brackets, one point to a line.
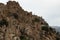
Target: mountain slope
[18, 24]
[57, 28]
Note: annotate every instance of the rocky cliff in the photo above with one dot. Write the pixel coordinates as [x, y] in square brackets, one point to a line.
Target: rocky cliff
[18, 24]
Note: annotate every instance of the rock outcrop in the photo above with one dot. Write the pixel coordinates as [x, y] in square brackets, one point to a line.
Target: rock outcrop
[18, 24]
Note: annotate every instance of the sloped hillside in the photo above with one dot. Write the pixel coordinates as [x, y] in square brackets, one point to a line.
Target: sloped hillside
[18, 24]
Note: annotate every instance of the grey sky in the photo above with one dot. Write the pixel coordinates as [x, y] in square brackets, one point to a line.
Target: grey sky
[48, 9]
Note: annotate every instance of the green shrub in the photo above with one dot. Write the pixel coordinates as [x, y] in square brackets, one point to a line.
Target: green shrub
[45, 28]
[50, 28]
[36, 20]
[22, 37]
[58, 36]
[45, 23]
[3, 22]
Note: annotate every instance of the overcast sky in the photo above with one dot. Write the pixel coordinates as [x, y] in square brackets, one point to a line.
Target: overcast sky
[48, 9]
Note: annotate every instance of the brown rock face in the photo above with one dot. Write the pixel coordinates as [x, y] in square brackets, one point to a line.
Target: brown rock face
[17, 24]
